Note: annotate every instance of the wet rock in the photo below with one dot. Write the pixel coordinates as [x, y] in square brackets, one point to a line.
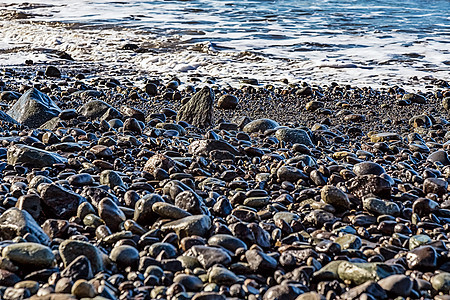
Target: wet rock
[228, 102]
[334, 196]
[435, 186]
[384, 137]
[209, 256]
[169, 211]
[422, 258]
[59, 202]
[52, 71]
[260, 262]
[369, 184]
[80, 268]
[34, 157]
[94, 109]
[222, 276]
[15, 222]
[188, 226]
[397, 285]
[33, 109]
[282, 291]
[199, 110]
[294, 136]
[70, 250]
[380, 207]
[367, 167]
[125, 256]
[359, 273]
[6, 118]
[8, 278]
[111, 214]
[111, 178]
[349, 241]
[29, 255]
[260, 125]
[189, 282]
[189, 201]
[368, 288]
[158, 161]
[439, 156]
[204, 147]
[290, 173]
[143, 213]
[83, 289]
[441, 282]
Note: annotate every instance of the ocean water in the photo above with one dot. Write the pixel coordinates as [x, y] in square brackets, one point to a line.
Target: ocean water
[364, 42]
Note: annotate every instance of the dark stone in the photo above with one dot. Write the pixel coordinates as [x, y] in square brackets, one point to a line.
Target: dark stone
[369, 184]
[52, 71]
[59, 202]
[199, 111]
[80, 268]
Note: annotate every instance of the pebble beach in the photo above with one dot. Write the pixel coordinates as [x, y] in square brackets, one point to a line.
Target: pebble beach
[120, 182]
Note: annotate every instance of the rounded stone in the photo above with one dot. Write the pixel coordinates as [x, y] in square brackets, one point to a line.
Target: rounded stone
[125, 256]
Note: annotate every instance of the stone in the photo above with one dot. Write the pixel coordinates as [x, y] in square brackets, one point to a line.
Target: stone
[435, 186]
[125, 256]
[199, 110]
[368, 167]
[169, 211]
[368, 288]
[397, 285]
[59, 202]
[158, 161]
[369, 184]
[143, 212]
[52, 71]
[189, 201]
[290, 173]
[83, 289]
[188, 226]
[318, 217]
[29, 255]
[222, 276]
[260, 126]
[422, 121]
[8, 278]
[79, 268]
[439, 156]
[228, 102]
[260, 262]
[422, 258]
[6, 118]
[94, 109]
[359, 273]
[31, 203]
[15, 222]
[349, 241]
[441, 282]
[334, 196]
[111, 178]
[26, 155]
[384, 137]
[282, 291]
[111, 214]
[208, 256]
[294, 136]
[169, 250]
[189, 282]
[380, 207]
[204, 147]
[72, 249]
[80, 179]
[419, 240]
[33, 109]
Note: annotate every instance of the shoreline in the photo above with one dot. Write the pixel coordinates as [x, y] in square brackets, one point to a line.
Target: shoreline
[300, 192]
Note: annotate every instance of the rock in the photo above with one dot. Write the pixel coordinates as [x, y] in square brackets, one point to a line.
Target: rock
[380, 207]
[397, 285]
[189, 282]
[368, 167]
[80, 268]
[52, 71]
[419, 240]
[314, 105]
[169, 250]
[80, 179]
[422, 121]
[208, 256]
[111, 214]
[318, 217]
[359, 273]
[33, 157]
[143, 212]
[334, 196]
[349, 241]
[422, 258]
[439, 156]
[260, 125]
[441, 282]
[369, 184]
[228, 102]
[189, 201]
[424, 206]
[204, 147]
[31, 203]
[294, 136]
[158, 161]
[6, 118]
[414, 98]
[83, 289]
[33, 109]
[71, 250]
[29, 255]
[15, 222]
[188, 226]
[169, 211]
[435, 186]
[111, 178]
[384, 137]
[282, 292]
[125, 256]
[222, 276]
[368, 288]
[199, 110]
[260, 262]
[8, 278]
[290, 173]
[94, 109]
[59, 202]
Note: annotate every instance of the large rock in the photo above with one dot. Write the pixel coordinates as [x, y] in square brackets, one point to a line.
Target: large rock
[369, 184]
[70, 250]
[59, 202]
[33, 109]
[94, 109]
[334, 196]
[188, 226]
[199, 111]
[29, 255]
[15, 222]
[204, 147]
[359, 273]
[6, 118]
[208, 256]
[33, 157]
[294, 136]
[158, 161]
[260, 125]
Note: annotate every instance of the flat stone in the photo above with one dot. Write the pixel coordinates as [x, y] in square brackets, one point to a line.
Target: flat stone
[359, 273]
[59, 202]
[260, 125]
[384, 137]
[188, 226]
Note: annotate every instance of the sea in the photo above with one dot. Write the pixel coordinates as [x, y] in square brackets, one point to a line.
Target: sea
[372, 43]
